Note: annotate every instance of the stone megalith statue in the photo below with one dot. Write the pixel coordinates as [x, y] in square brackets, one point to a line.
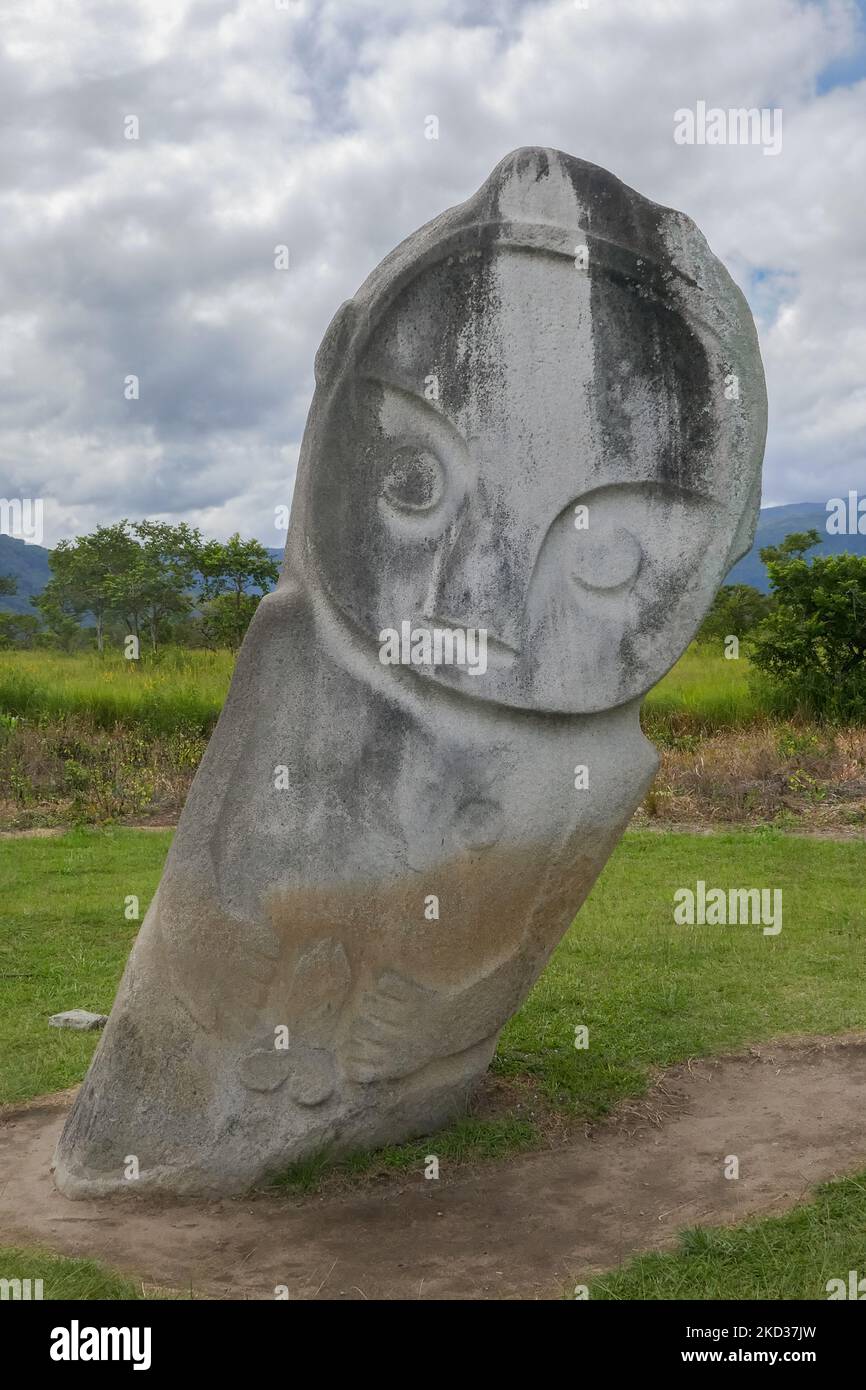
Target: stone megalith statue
[533, 454]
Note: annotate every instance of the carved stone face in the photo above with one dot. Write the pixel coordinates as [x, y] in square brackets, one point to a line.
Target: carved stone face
[539, 451]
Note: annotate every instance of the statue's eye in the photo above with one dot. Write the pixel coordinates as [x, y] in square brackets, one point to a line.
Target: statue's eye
[415, 482]
[605, 562]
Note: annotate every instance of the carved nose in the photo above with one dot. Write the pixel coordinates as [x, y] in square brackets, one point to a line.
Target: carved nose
[481, 583]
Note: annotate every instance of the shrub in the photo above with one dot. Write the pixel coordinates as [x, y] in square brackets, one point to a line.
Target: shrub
[813, 641]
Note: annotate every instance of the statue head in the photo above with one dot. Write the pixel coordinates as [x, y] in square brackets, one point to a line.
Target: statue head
[541, 418]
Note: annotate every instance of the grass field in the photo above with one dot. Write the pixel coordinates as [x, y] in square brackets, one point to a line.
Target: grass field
[785, 1257]
[63, 942]
[650, 992]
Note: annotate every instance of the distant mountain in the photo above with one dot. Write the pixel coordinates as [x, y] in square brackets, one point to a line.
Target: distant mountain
[29, 565]
[775, 523]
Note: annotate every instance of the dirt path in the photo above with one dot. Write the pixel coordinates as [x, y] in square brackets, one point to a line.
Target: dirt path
[807, 832]
[527, 1229]
[51, 832]
[639, 822]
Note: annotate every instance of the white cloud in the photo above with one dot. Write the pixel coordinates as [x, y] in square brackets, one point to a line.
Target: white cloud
[305, 126]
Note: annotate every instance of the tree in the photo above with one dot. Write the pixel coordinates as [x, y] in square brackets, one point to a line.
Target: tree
[84, 571]
[126, 595]
[737, 609]
[18, 630]
[60, 616]
[147, 574]
[226, 619]
[8, 584]
[814, 639]
[228, 573]
[165, 571]
[793, 547]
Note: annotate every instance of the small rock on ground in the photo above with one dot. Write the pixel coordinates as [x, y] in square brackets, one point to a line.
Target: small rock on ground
[80, 1019]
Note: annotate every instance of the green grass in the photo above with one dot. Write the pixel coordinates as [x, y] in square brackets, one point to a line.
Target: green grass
[65, 1278]
[63, 944]
[653, 993]
[177, 688]
[783, 1257]
[468, 1140]
[650, 992]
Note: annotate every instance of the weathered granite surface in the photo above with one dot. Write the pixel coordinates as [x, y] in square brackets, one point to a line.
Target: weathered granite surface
[542, 418]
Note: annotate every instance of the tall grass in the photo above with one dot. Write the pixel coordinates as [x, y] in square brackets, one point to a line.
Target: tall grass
[705, 692]
[178, 688]
[183, 688]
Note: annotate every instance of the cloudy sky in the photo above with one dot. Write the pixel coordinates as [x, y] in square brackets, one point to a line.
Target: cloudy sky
[303, 123]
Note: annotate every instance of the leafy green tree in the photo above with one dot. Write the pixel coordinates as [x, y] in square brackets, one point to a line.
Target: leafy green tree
[148, 576]
[165, 572]
[18, 630]
[127, 597]
[793, 547]
[814, 639]
[153, 584]
[737, 609]
[226, 619]
[61, 617]
[229, 570]
[8, 584]
[84, 570]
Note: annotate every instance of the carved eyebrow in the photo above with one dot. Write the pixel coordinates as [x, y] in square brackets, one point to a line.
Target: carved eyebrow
[659, 488]
[392, 383]
[436, 418]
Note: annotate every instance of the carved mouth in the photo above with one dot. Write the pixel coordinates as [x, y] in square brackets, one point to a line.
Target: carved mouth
[499, 653]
